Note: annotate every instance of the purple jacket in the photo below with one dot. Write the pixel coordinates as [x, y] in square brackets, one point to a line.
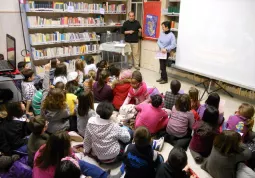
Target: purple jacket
[202, 109]
[238, 123]
[102, 94]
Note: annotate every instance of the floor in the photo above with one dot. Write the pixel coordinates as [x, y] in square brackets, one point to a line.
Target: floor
[150, 77]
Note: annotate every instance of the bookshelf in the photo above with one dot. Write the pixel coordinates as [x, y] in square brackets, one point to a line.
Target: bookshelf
[171, 13]
[67, 29]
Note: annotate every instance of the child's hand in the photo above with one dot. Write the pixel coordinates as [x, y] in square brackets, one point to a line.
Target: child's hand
[186, 169]
[58, 61]
[30, 113]
[47, 67]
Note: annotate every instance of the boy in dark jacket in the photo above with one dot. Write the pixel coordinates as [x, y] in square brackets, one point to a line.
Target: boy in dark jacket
[173, 168]
[140, 160]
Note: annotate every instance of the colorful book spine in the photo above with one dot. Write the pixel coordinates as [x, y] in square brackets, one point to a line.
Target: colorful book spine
[56, 37]
[64, 51]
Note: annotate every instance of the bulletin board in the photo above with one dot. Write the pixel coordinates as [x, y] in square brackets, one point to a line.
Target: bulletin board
[151, 20]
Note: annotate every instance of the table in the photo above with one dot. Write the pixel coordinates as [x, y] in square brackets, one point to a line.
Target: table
[115, 47]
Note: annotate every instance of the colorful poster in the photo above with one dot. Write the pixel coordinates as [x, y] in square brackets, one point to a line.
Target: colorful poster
[151, 20]
[151, 25]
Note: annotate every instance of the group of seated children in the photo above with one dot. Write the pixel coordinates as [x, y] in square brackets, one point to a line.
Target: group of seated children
[68, 104]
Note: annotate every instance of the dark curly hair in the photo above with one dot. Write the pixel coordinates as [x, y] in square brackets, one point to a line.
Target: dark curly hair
[156, 100]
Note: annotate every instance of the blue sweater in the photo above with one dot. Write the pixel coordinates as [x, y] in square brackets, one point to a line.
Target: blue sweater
[167, 41]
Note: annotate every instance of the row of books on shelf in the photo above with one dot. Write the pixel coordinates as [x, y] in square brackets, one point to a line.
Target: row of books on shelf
[56, 37]
[70, 64]
[74, 7]
[174, 25]
[37, 21]
[233, 89]
[173, 9]
[65, 51]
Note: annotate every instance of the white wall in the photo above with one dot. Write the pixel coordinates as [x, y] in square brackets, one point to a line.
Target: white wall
[10, 23]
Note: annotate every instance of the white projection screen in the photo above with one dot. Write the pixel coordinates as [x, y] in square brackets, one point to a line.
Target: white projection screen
[216, 39]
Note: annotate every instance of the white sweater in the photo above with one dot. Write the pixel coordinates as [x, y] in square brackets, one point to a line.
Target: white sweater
[102, 137]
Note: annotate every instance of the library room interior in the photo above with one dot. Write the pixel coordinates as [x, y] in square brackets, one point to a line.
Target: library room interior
[127, 89]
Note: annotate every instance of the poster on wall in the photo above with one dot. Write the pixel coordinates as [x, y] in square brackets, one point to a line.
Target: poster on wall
[151, 20]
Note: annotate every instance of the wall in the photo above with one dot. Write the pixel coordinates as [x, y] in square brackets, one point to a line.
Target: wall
[10, 23]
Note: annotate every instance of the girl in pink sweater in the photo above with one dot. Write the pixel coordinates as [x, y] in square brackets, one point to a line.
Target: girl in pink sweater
[50, 154]
[138, 91]
[152, 115]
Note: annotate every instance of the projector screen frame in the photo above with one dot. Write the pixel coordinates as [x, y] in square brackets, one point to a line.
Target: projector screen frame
[239, 75]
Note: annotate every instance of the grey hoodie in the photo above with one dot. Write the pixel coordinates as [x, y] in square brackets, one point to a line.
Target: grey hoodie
[57, 118]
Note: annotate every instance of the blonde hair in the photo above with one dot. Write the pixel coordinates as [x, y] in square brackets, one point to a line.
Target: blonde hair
[246, 110]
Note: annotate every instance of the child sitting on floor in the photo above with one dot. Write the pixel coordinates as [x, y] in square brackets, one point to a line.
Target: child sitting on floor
[102, 91]
[138, 92]
[140, 160]
[28, 88]
[49, 155]
[152, 115]
[226, 153]
[171, 96]
[90, 66]
[89, 81]
[195, 103]
[102, 65]
[76, 168]
[103, 138]
[54, 108]
[79, 68]
[114, 73]
[15, 127]
[37, 99]
[60, 74]
[38, 137]
[84, 111]
[205, 131]
[179, 126]
[121, 88]
[175, 166]
[243, 122]
[212, 100]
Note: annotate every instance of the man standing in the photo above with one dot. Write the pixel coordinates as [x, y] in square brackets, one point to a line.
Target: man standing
[130, 29]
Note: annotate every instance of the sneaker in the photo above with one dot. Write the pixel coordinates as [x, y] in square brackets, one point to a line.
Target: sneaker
[137, 68]
[158, 144]
[159, 80]
[163, 82]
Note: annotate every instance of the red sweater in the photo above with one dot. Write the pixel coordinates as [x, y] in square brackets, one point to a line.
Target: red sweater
[120, 93]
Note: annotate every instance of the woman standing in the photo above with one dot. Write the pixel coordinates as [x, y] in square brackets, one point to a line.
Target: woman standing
[166, 43]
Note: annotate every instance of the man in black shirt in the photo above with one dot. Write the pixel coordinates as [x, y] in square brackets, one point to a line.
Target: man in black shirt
[130, 29]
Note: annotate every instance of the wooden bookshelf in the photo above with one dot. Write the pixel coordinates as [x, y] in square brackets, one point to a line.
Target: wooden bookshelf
[61, 42]
[171, 13]
[74, 26]
[72, 16]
